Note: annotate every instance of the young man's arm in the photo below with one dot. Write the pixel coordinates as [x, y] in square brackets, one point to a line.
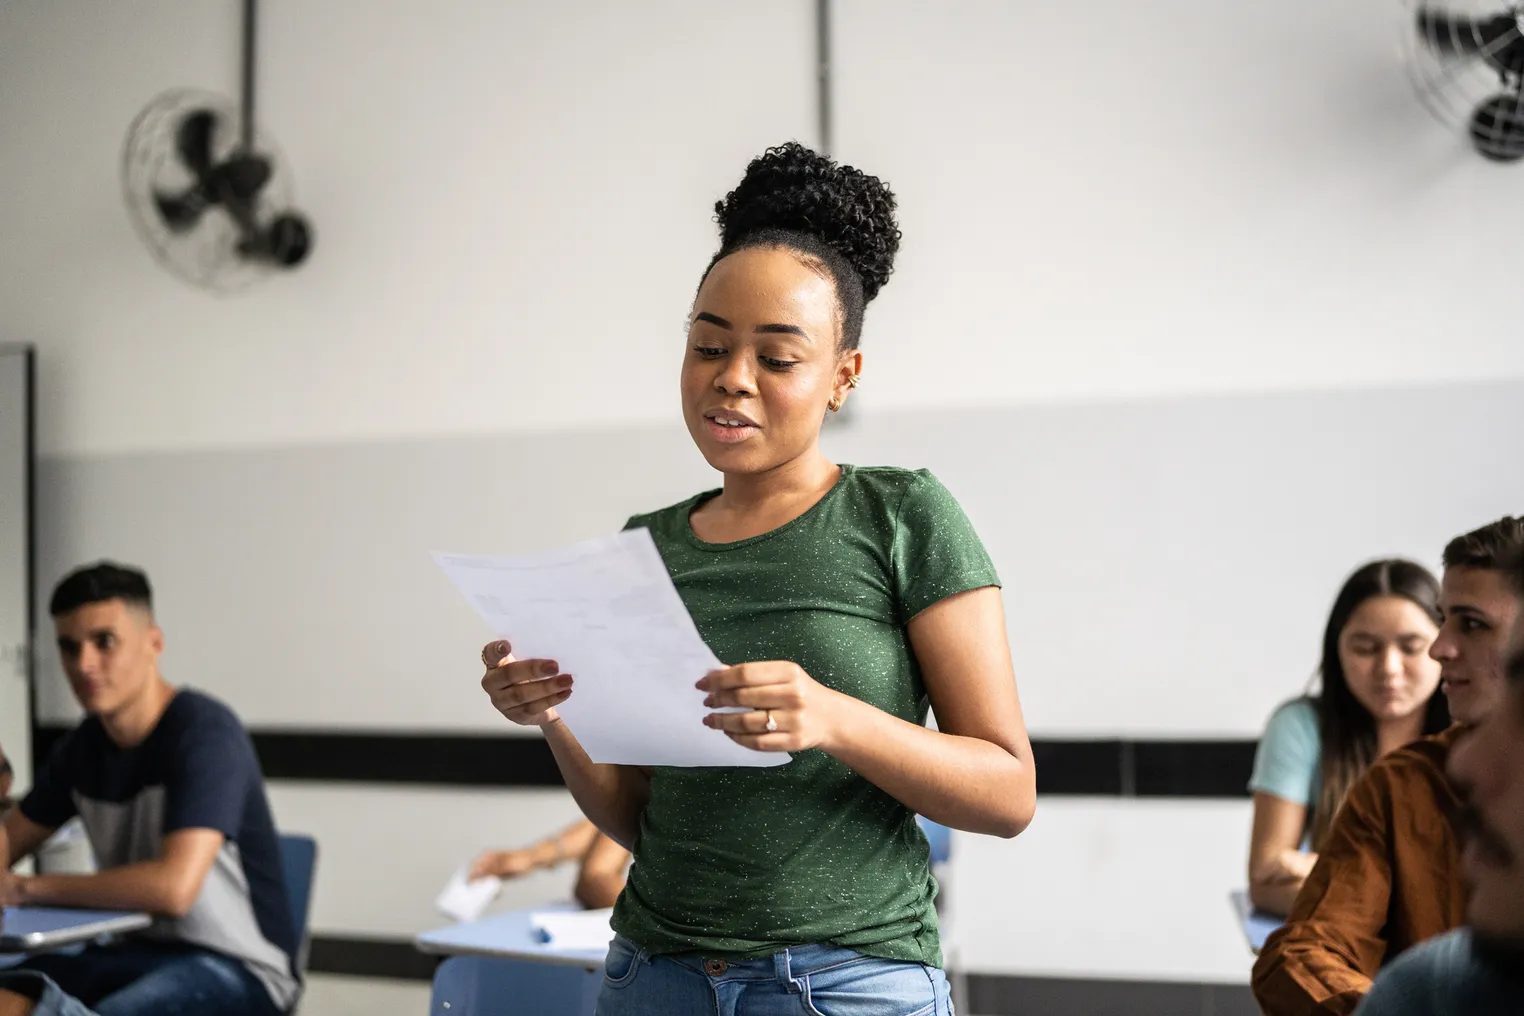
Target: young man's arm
[19, 836]
[1320, 963]
[166, 886]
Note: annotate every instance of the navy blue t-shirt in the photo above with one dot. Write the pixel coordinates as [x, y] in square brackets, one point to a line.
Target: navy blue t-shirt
[196, 770]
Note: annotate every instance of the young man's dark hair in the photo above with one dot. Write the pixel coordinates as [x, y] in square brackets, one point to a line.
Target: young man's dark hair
[98, 583]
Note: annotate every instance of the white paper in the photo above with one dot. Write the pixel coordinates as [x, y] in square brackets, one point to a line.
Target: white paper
[464, 901]
[606, 610]
[574, 929]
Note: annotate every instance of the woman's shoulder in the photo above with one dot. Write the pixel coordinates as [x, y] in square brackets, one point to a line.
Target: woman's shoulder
[672, 514]
[1294, 723]
[1287, 759]
[896, 487]
[1300, 713]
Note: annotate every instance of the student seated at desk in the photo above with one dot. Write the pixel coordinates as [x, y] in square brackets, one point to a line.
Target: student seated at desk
[601, 863]
[1388, 876]
[1380, 690]
[1478, 970]
[171, 797]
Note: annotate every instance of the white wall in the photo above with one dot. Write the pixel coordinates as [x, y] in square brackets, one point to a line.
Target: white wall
[1104, 200]
[1115, 198]
[513, 201]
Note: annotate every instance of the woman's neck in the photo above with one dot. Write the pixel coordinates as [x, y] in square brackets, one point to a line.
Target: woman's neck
[755, 503]
[1393, 734]
[804, 478]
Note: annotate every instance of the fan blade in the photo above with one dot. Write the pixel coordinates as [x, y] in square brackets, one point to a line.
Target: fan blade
[180, 211]
[242, 177]
[193, 141]
[1453, 35]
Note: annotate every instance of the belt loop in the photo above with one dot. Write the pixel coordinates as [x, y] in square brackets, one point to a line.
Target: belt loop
[783, 970]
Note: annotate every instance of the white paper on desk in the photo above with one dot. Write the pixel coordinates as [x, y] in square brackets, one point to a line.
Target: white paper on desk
[606, 610]
[574, 929]
[464, 901]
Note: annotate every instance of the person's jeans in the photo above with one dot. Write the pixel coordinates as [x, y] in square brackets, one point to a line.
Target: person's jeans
[139, 979]
[810, 980]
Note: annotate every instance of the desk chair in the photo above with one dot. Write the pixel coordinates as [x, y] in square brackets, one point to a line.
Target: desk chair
[479, 986]
[940, 838]
[298, 859]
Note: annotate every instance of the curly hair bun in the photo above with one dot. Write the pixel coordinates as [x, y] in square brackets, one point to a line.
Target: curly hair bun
[794, 189]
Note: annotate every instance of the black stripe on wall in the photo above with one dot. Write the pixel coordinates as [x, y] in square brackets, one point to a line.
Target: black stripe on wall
[1115, 768]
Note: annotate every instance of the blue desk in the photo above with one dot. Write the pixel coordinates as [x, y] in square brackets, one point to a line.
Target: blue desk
[39, 929]
[1257, 924]
[499, 967]
[506, 936]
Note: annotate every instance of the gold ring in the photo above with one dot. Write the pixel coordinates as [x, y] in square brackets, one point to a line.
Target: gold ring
[772, 724]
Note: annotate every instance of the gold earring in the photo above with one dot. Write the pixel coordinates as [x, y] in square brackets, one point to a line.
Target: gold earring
[854, 380]
[834, 404]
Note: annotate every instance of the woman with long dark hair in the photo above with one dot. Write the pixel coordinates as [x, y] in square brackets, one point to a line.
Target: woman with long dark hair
[1380, 690]
[848, 599]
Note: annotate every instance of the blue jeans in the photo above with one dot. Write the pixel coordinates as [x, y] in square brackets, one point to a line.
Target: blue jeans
[808, 980]
[139, 979]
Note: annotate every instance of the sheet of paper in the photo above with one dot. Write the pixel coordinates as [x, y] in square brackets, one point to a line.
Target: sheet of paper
[574, 929]
[606, 610]
[464, 901]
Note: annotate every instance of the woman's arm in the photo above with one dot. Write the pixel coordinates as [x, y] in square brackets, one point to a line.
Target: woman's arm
[611, 796]
[601, 877]
[974, 773]
[1277, 867]
[570, 843]
[527, 692]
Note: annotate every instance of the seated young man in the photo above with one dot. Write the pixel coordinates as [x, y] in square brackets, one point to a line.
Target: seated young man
[1477, 970]
[169, 791]
[1389, 873]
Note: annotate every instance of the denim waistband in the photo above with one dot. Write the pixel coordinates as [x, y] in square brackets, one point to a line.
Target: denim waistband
[784, 965]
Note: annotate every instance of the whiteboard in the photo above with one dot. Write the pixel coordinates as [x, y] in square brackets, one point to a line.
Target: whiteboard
[15, 578]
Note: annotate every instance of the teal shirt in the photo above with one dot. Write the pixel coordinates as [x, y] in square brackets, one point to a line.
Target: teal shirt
[1288, 762]
[745, 862]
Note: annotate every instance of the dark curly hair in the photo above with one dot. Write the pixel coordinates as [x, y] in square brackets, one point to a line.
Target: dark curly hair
[839, 220]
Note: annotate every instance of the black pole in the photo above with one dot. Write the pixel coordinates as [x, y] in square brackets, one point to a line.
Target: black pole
[249, 22]
[823, 71]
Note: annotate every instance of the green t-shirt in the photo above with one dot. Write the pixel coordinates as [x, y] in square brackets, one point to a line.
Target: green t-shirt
[745, 862]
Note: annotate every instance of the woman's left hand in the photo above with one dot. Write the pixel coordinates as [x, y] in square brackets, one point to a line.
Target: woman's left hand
[804, 713]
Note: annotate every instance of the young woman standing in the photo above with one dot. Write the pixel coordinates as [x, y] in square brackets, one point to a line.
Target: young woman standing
[849, 599]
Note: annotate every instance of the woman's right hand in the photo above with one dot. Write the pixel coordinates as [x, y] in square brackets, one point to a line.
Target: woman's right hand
[525, 691]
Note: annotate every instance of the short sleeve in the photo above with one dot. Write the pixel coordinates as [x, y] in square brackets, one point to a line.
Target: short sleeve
[936, 552]
[209, 778]
[50, 803]
[1286, 762]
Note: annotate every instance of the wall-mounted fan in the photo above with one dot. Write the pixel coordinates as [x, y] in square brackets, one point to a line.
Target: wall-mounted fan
[208, 192]
[1466, 58]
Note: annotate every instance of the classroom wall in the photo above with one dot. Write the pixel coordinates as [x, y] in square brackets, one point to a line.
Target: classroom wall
[1116, 209]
